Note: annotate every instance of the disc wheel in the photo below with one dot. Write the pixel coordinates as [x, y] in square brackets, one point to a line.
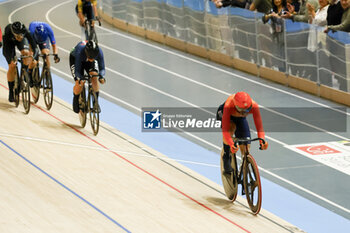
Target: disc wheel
[229, 180]
[252, 184]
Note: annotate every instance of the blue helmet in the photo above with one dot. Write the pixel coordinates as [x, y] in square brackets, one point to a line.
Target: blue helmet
[41, 32]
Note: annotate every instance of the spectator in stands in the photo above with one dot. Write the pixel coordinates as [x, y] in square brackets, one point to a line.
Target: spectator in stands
[263, 6]
[334, 13]
[279, 8]
[318, 17]
[303, 14]
[345, 20]
[234, 3]
[293, 6]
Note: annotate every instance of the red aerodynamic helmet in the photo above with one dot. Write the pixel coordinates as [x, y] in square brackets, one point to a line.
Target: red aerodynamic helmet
[243, 102]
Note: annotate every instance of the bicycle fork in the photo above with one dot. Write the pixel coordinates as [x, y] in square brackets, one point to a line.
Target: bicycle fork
[240, 172]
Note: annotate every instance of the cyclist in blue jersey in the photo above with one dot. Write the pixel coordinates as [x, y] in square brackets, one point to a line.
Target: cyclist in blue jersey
[43, 36]
[86, 55]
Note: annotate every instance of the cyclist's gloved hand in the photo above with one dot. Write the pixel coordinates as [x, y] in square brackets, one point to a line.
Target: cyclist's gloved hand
[101, 79]
[0, 44]
[234, 148]
[56, 58]
[35, 53]
[263, 146]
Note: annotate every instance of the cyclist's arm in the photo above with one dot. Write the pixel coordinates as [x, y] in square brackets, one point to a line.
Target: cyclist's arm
[94, 6]
[80, 12]
[0, 35]
[80, 6]
[54, 49]
[101, 63]
[6, 41]
[226, 121]
[257, 120]
[78, 62]
[50, 34]
[31, 42]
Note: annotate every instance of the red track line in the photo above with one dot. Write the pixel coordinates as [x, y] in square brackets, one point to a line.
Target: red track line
[133, 164]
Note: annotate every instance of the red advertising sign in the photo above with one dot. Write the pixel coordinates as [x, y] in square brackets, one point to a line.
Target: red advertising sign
[318, 150]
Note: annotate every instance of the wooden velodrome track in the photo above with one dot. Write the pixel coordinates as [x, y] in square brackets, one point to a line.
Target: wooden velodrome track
[57, 177]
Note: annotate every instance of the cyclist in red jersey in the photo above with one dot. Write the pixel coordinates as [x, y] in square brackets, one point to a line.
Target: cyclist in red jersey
[0, 38]
[232, 115]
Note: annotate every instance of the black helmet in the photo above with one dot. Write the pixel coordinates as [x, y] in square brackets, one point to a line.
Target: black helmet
[17, 28]
[91, 49]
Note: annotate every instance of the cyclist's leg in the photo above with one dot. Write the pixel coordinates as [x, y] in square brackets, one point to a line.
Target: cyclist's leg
[23, 46]
[242, 131]
[93, 70]
[45, 49]
[88, 12]
[227, 159]
[9, 53]
[78, 85]
[226, 155]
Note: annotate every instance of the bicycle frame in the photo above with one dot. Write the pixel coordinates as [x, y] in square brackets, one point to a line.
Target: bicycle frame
[90, 104]
[90, 33]
[22, 78]
[247, 175]
[46, 80]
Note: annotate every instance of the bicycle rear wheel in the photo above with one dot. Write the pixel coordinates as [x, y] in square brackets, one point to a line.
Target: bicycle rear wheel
[94, 111]
[93, 35]
[25, 91]
[83, 107]
[229, 180]
[48, 88]
[252, 184]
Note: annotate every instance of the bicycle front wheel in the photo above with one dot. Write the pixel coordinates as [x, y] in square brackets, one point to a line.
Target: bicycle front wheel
[16, 89]
[229, 180]
[36, 87]
[252, 184]
[83, 108]
[48, 89]
[94, 111]
[25, 91]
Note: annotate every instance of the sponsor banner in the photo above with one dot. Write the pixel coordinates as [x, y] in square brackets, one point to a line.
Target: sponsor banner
[332, 154]
[205, 119]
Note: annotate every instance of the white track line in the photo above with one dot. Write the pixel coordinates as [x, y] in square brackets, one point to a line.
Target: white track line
[103, 149]
[1, 3]
[221, 70]
[179, 76]
[20, 8]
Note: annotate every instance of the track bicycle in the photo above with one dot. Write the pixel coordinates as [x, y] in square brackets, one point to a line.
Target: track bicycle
[44, 81]
[247, 175]
[90, 33]
[21, 84]
[89, 105]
